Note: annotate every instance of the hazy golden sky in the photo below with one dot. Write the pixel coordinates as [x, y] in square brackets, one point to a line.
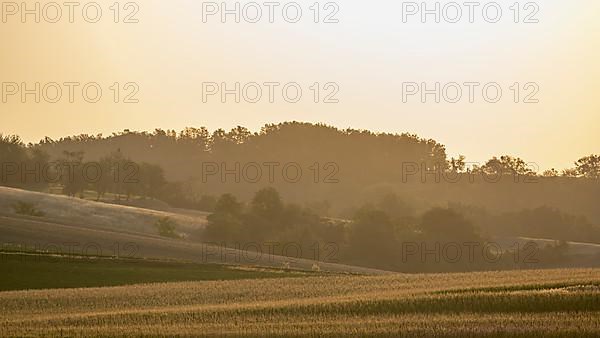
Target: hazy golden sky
[368, 54]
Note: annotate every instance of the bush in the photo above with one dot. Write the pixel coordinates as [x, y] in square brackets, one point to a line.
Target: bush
[166, 227]
[29, 209]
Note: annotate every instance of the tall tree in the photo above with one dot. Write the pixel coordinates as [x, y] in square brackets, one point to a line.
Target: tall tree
[589, 166]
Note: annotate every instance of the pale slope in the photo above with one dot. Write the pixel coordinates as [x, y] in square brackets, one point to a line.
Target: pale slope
[74, 210]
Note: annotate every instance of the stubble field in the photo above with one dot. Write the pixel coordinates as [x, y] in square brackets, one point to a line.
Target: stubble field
[516, 303]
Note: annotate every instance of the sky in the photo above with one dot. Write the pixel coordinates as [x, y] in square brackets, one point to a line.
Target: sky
[172, 61]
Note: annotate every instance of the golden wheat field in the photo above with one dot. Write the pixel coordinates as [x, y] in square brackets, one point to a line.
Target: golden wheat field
[517, 303]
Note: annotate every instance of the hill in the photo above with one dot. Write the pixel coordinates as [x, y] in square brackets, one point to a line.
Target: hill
[95, 228]
[346, 168]
[59, 208]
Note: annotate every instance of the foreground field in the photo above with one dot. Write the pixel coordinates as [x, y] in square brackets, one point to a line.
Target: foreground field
[517, 303]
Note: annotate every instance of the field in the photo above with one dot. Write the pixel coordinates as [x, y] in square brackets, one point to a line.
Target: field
[61, 208]
[563, 303]
[26, 271]
[107, 229]
[122, 279]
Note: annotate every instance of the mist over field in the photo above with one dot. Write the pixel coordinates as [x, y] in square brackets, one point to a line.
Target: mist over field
[297, 205]
[415, 211]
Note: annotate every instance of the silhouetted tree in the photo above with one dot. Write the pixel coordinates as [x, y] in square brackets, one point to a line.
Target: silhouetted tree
[371, 240]
[72, 175]
[506, 165]
[589, 166]
[448, 225]
[225, 223]
[151, 180]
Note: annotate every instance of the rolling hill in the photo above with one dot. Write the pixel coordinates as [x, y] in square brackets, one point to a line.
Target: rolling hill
[96, 228]
[61, 208]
